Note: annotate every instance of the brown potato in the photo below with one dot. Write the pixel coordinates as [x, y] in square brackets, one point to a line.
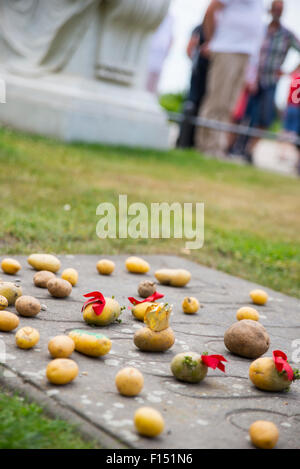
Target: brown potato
[247, 338]
[41, 278]
[28, 306]
[146, 288]
[151, 341]
[59, 288]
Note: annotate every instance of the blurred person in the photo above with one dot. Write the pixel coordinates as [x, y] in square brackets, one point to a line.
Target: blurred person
[292, 114]
[233, 31]
[159, 49]
[197, 89]
[276, 44]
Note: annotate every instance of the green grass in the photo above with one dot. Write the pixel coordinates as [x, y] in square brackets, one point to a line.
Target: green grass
[23, 425]
[252, 221]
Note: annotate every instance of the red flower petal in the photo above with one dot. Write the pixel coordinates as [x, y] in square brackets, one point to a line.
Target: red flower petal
[151, 299]
[281, 364]
[214, 361]
[98, 301]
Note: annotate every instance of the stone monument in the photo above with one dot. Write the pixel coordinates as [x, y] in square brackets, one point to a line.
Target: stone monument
[75, 70]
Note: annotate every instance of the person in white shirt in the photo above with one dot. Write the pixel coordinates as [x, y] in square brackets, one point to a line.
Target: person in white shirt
[234, 30]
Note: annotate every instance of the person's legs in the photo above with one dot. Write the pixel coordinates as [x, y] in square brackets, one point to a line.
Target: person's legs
[225, 81]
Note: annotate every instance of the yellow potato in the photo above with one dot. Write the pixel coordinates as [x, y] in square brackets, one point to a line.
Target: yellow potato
[137, 265]
[129, 381]
[105, 267]
[44, 262]
[41, 278]
[110, 313]
[259, 297]
[148, 421]
[71, 275]
[151, 341]
[59, 288]
[28, 306]
[264, 375]
[27, 337]
[264, 434]
[90, 343]
[173, 277]
[61, 371]
[3, 302]
[247, 313]
[10, 291]
[8, 321]
[61, 346]
[10, 266]
[190, 305]
[139, 310]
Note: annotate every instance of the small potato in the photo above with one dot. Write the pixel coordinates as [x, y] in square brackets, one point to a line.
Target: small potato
[105, 267]
[247, 338]
[44, 262]
[28, 306]
[139, 310]
[173, 277]
[129, 381]
[61, 371]
[10, 291]
[61, 346]
[259, 297]
[90, 343]
[71, 275]
[148, 422]
[41, 278]
[137, 265]
[264, 376]
[27, 337]
[110, 313]
[10, 266]
[8, 321]
[264, 434]
[151, 341]
[146, 288]
[59, 288]
[190, 305]
[188, 366]
[247, 313]
[3, 302]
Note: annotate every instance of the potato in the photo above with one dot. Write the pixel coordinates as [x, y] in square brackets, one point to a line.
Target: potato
[10, 291]
[61, 346]
[44, 262]
[8, 321]
[27, 337]
[173, 277]
[137, 265]
[105, 267]
[28, 306]
[129, 381]
[59, 288]
[259, 297]
[10, 266]
[139, 310]
[247, 313]
[190, 305]
[188, 367]
[110, 313]
[71, 275]
[151, 341]
[264, 434]
[41, 278]
[90, 343]
[247, 338]
[148, 422]
[3, 302]
[61, 371]
[264, 376]
[146, 288]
